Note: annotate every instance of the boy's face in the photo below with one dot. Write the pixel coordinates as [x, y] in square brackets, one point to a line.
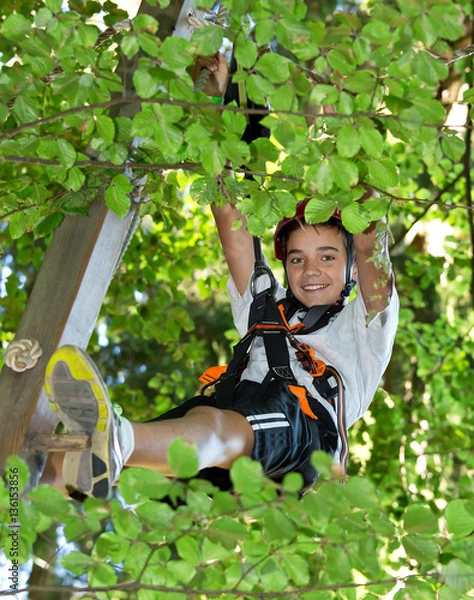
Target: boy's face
[316, 264]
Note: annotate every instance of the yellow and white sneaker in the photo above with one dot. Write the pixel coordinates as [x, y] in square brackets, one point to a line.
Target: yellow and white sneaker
[78, 395]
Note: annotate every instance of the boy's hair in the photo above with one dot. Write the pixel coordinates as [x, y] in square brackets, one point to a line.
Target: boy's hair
[333, 223]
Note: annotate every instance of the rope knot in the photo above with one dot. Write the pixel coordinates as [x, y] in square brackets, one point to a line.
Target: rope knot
[22, 355]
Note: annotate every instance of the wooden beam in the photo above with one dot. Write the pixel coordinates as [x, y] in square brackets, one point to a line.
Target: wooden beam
[66, 299]
[62, 309]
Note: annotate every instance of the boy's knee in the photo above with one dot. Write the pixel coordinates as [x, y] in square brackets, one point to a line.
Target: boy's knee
[231, 428]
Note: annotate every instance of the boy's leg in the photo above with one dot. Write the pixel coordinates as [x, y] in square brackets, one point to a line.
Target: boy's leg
[78, 394]
[221, 436]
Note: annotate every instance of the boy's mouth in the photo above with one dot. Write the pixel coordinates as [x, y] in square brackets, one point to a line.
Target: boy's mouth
[314, 287]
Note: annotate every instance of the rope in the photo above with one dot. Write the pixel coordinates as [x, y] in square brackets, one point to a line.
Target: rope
[201, 80]
[22, 355]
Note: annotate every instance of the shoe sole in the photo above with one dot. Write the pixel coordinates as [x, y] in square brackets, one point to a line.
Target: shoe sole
[79, 397]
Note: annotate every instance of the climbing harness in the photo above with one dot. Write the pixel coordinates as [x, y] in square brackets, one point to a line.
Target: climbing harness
[269, 320]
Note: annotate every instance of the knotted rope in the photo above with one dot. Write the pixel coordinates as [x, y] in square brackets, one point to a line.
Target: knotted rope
[22, 355]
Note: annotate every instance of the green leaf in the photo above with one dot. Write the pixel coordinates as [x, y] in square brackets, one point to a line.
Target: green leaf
[158, 516]
[183, 459]
[319, 210]
[141, 484]
[459, 517]
[105, 128]
[420, 519]
[426, 29]
[126, 524]
[234, 122]
[50, 502]
[421, 548]
[383, 173]
[348, 141]
[184, 573]
[453, 147]
[129, 45]
[297, 569]
[174, 51]
[14, 26]
[361, 492]
[54, 5]
[377, 31]
[278, 526]
[228, 532]
[246, 475]
[75, 179]
[207, 40]
[259, 89]
[213, 157]
[293, 482]
[319, 178]
[48, 224]
[236, 150]
[77, 562]
[67, 153]
[344, 172]
[264, 31]
[169, 138]
[118, 153]
[101, 575]
[458, 575]
[245, 52]
[117, 200]
[324, 94]
[145, 82]
[188, 548]
[17, 474]
[17, 225]
[26, 109]
[274, 67]
[371, 141]
[341, 60]
[448, 18]
[75, 529]
[360, 81]
[355, 217]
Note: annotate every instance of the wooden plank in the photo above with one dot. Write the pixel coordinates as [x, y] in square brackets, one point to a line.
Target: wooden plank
[66, 299]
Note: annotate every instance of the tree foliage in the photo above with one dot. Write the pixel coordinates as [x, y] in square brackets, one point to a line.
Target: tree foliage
[379, 95]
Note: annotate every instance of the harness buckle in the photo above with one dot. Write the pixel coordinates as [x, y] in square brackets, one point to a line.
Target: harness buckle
[258, 271]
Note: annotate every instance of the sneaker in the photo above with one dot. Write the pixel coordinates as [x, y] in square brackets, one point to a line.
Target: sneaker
[78, 395]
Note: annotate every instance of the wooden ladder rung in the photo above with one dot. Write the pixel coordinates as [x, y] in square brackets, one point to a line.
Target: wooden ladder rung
[64, 442]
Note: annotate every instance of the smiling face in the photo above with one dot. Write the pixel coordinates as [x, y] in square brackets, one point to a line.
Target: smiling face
[316, 264]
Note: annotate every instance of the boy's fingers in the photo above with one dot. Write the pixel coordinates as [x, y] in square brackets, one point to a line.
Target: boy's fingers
[208, 62]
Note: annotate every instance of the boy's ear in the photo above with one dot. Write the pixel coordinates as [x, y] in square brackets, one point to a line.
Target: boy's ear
[354, 273]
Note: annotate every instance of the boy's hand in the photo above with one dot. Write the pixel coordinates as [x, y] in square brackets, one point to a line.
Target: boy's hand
[219, 73]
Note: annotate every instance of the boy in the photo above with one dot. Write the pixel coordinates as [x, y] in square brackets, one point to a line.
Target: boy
[264, 418]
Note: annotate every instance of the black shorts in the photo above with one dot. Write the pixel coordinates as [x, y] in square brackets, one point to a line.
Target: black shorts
[284, 436]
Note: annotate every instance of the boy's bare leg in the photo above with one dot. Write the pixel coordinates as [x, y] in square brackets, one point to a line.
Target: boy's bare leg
[221, 436]
[53, 472]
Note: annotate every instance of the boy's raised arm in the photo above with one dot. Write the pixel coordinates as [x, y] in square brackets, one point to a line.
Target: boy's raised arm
[236, 243]
[373, 279]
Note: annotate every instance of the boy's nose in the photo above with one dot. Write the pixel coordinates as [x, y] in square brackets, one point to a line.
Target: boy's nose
[311, 269]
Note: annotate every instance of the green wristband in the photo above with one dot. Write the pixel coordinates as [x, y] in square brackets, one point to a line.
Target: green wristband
[217, 99]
